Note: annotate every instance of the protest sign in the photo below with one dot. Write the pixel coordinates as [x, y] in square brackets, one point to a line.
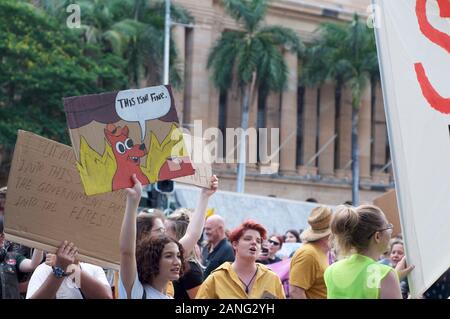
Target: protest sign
[388, 204]
[46, 204]
[201, 154]
[413, 41]
[118, 134]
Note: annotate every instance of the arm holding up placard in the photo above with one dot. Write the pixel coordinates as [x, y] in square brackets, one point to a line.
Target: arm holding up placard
[195, 227]
[28, 265]
[84, 281]
[128, 267]
[40, 288]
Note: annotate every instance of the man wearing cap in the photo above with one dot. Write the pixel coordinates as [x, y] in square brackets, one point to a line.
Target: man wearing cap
[310, 261]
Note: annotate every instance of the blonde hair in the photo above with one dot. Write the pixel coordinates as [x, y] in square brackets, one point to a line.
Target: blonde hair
[179, 221]
[351, 227]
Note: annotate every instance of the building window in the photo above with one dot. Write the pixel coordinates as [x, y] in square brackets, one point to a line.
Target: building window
[300, 115]
[337, 125]
[261, 121]
[223, 116]
[188, 49]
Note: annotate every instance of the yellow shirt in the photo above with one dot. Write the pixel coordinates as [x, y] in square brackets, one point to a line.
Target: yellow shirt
[224, 283]
[307, 268]
[170, 290]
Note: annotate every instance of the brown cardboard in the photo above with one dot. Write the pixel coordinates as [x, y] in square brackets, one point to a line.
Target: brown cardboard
[46, 204]
[201, 160]
[117, 134]
[388, 204]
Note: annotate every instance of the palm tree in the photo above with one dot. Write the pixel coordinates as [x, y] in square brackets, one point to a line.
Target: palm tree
[346, 54]
[255, 55]
[133, 29]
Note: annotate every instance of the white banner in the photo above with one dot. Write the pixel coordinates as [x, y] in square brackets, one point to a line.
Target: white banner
[413, 40]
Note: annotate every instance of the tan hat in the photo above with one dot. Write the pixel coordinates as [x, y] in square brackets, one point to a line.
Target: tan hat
[319, 221]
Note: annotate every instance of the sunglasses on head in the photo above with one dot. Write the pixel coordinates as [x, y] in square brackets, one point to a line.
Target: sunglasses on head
[389, 226]
[274, 242]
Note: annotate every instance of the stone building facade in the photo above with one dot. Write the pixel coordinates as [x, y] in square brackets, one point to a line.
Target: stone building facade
[315, 158]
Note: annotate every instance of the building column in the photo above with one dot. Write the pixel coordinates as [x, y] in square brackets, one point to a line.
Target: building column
[327, 131]
[309, 132]
[288, 133]
[364, 134]
[272, 120]
[214, 94]
[345, 135]
[179, 33]
[199, 96]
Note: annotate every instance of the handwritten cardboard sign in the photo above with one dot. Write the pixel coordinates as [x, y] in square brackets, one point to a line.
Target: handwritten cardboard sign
[388, 204]
[118, 134]
[201, 154]
[46, 204]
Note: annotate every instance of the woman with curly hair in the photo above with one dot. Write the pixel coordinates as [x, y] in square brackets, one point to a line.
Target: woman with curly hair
[146, 267]
[138, 277]
[243, 278]
[159, 260]
[187, 286]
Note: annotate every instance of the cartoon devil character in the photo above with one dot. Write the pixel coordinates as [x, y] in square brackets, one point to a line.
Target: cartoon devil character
[127, 156]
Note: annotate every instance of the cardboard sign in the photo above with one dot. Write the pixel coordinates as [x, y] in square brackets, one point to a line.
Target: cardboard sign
[118, 134]
[201, 155]
[388, 204]
[46, 204]
[413, 41]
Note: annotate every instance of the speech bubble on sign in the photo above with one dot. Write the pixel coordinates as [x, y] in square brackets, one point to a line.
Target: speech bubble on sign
[141, 105]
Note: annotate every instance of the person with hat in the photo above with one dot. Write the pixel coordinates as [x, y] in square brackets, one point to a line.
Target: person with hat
[311, 260]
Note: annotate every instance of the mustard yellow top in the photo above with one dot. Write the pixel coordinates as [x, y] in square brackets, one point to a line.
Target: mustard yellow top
[170, 291]
[224, 283]
[307, 268]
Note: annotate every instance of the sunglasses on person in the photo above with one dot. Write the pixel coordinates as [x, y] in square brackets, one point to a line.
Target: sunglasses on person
[275, 243]
[389, 226]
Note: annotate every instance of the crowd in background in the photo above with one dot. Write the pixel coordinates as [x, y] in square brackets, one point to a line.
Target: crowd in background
[348, 253]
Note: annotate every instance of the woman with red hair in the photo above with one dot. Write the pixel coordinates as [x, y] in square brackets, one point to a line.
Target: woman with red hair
[243, 278]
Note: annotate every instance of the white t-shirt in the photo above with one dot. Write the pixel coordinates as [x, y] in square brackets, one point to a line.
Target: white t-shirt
[68, 288]
[137, 291]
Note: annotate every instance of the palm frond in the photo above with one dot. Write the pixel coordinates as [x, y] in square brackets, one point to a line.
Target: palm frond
[282, 36]
[249, 12]
[222, 57]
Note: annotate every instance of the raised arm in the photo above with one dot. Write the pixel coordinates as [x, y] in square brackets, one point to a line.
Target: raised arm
[41, 287]
[128, 268]
[93, 287]
[195, 227]
[28, 265]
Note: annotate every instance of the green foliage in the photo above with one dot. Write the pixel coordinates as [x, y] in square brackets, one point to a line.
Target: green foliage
[345, 53]
[132, 29]
[40, 63]
[256, 49]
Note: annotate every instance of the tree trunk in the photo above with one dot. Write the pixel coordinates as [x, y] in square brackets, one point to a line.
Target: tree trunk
[355, 156]
[248, 95]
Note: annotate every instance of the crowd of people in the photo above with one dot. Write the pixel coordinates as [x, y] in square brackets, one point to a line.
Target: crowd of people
[345, 253]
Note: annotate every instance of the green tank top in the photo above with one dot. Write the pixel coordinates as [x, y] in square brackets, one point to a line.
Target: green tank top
[355, 277]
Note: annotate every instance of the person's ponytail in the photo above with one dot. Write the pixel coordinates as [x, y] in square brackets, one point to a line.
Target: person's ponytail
[343, 225]
[352, 227]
